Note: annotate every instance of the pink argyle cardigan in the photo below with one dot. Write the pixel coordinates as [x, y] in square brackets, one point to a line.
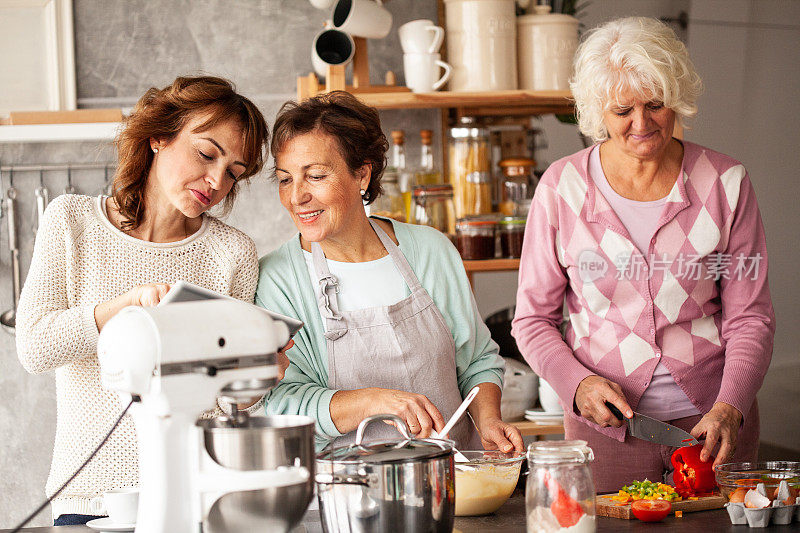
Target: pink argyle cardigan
[699, 303]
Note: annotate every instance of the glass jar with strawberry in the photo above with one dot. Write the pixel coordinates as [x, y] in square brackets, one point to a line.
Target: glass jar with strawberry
[560, 490]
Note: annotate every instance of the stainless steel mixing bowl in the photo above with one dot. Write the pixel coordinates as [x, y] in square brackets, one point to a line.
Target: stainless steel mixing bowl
[261, 443]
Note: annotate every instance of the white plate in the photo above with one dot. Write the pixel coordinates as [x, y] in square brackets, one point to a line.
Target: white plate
[105, 524]
[543, 414]
[548, 421]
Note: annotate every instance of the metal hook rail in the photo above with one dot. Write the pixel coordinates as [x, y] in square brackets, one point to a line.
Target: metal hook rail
[56, 167]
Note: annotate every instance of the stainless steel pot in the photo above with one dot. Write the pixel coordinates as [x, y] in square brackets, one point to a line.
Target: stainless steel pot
[399, 486]
[260, 443]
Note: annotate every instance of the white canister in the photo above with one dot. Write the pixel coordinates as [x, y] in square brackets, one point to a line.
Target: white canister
[481, 44]
[546, 47]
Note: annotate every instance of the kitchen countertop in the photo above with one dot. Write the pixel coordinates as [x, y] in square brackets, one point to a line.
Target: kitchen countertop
[511, 519]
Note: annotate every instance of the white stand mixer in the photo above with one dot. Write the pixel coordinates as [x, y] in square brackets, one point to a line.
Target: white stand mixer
[178, 359]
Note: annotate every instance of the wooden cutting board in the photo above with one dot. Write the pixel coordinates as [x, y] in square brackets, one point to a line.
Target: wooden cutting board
[605, 506]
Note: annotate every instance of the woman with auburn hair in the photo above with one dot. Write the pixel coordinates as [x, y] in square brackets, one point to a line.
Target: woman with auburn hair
[183, 150]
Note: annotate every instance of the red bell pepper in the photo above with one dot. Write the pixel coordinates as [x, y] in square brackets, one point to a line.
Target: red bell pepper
[692, 476]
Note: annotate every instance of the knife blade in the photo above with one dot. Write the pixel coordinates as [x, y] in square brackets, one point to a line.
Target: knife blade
[652, 430]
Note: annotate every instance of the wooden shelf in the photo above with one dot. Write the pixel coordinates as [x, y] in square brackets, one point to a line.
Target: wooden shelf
[491, 265]
[525, 102]
[95, 131]
[528, 428]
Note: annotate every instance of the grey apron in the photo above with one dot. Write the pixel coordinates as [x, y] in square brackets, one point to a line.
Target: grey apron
[405, 346]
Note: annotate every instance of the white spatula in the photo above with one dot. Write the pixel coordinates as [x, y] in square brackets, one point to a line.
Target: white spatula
[459, 457]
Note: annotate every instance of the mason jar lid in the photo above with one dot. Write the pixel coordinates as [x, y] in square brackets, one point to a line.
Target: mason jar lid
[517, 162]
[468, 133]
[440, 189]
[402, 451]
[475, 223]
[479, 176]
[512, 222]
[560, 452]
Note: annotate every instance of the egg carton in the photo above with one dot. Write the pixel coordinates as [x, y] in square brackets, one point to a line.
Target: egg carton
[778, 512]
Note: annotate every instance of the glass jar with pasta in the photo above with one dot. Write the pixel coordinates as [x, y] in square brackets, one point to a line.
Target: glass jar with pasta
[470, 170]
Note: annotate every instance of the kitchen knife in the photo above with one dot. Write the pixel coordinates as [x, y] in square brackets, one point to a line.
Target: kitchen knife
[652, 430]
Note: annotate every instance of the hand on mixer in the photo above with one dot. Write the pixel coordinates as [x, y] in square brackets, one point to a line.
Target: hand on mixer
[147, 295]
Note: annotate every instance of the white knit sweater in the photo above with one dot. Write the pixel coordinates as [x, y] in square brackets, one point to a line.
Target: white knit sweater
[81, 259]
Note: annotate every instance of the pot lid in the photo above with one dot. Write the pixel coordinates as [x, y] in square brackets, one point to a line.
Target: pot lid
[403, 450]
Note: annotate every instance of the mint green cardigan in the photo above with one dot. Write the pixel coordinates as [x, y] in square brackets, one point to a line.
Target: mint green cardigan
[284, 286]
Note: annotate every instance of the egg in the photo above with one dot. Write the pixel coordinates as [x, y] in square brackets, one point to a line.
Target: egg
[754, 500]
[789, 493]
[737, 496]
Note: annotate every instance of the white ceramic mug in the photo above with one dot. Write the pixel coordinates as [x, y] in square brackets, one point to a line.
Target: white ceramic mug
[122, 505]
[331, 47]
[420, 37]
[422, 72]
[362, 18]
[322, 4]
[548, 398]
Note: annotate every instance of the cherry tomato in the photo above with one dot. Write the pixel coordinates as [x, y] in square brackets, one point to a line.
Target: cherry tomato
[651, 510]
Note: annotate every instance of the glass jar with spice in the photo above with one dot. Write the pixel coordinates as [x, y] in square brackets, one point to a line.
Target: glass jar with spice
[433, 206]
[475, 238]
[518, 183]
[470, 169]
[512, 233]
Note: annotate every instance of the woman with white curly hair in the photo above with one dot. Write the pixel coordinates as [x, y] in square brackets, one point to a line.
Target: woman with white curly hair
[658, 248]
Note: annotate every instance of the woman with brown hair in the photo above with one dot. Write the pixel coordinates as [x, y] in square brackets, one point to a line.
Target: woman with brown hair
[183, 150]
[390, 322]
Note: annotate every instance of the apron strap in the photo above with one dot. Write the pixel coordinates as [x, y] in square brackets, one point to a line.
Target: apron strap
[399, 259]
[328, 286]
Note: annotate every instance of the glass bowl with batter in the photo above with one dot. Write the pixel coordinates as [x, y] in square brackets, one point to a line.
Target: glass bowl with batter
[486, 481]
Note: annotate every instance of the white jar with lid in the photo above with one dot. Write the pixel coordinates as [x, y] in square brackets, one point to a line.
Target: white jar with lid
[481, 44]
[546, 47]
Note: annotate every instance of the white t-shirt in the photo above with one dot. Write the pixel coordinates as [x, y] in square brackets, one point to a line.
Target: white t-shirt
[375, 283]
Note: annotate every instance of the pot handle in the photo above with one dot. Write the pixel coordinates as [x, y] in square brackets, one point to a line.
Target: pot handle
[343, 479]
[400, 424]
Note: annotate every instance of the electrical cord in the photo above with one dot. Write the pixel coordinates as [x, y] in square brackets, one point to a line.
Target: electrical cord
[78, 471]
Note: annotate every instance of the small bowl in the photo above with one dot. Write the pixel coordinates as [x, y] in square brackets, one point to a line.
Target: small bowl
[731, 476]
[487, 481]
